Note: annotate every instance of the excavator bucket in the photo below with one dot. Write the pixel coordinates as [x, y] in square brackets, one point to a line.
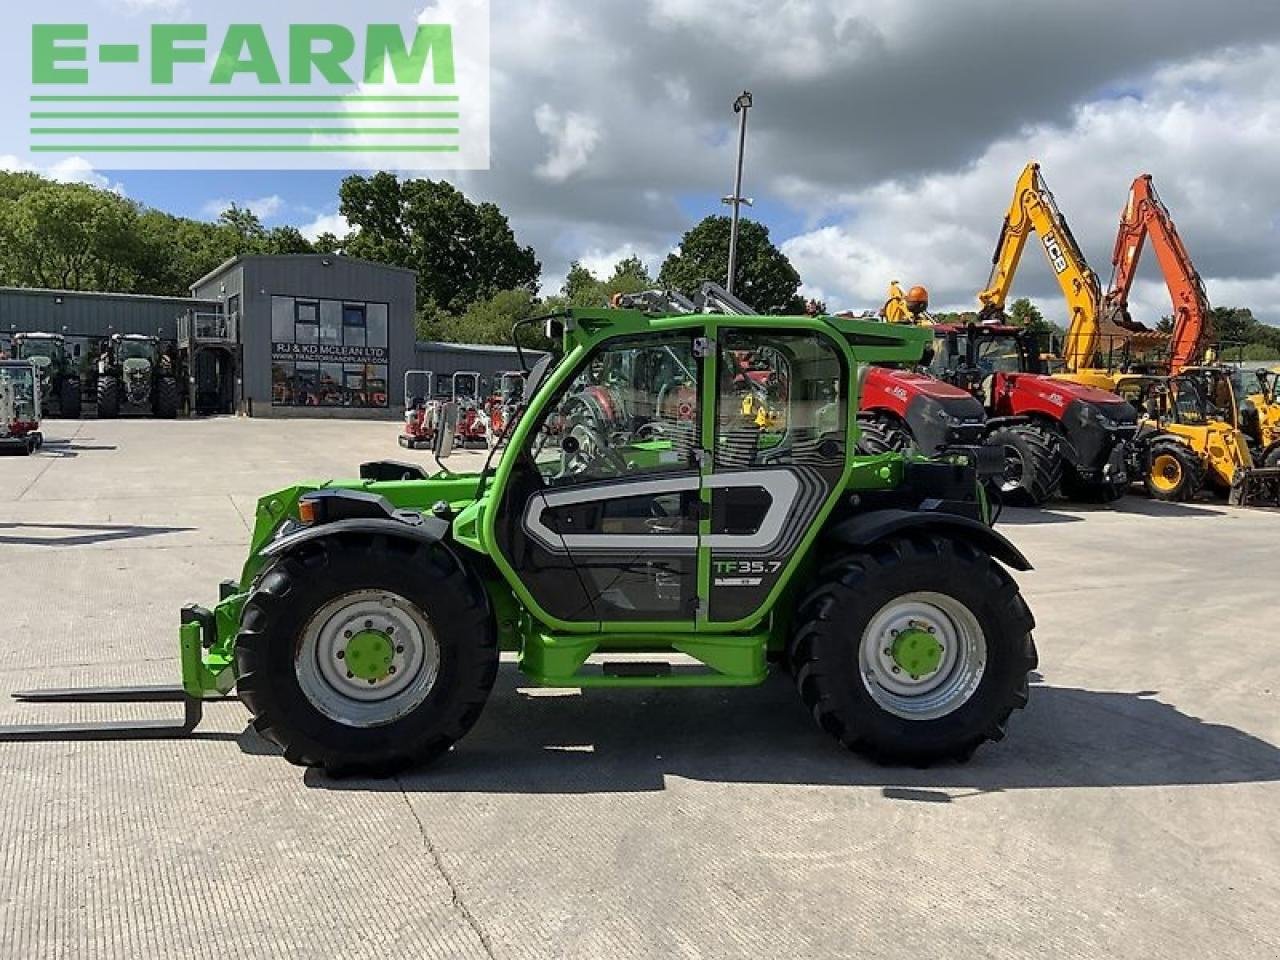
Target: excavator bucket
[1256, 487]
[198, 687]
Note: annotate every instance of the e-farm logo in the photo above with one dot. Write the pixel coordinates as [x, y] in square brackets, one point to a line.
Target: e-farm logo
[249, 93]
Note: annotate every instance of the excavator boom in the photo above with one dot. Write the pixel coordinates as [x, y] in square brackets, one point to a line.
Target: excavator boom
[1145, 214]
[1033, 209]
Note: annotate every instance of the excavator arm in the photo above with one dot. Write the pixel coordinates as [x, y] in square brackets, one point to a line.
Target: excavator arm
[1145, 214]
[1033, 209]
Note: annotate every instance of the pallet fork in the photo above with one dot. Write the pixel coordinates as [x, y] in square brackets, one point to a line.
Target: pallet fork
[200, 685]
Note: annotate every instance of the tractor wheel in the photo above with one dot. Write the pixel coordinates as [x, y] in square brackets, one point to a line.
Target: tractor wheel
[166, 406]
[69, 399]
[1032, 464]
[915, 652]
[1271, 456]
[876, 436]
[366, 654]
[1074, 487]
[108, 398]
[1174, 472]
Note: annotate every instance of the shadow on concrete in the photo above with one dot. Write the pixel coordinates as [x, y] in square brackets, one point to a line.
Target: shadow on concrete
[78, 534]
[67, 449]
[631, 740]
[1135, 505]
[1024, 517]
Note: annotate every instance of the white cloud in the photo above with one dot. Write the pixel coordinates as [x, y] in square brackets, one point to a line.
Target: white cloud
[1208, 130]
[573, 137]
[267, 208]
[69, 170]
[334, 223]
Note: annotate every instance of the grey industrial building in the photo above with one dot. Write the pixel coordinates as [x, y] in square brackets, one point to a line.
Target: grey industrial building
[306, 334]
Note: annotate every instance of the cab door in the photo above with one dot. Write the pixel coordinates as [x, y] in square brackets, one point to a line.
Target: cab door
[781, 423]
[600, 516]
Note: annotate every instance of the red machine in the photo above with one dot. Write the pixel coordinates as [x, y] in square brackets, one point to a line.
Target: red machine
[421, 412]
[1059, 429]
[20, 407]
[1146, 214]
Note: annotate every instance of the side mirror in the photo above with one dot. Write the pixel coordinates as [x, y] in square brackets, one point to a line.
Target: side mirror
[447, 431]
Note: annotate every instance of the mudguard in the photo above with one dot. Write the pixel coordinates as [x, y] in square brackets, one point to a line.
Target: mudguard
[868, 528]
[430, 530]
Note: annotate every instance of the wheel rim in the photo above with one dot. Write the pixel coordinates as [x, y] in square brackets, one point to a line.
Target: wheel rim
[922, 656]
[367, 658]
[1013, 470]
[1166, 472]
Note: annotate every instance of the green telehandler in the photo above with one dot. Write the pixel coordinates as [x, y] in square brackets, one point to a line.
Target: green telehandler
[641, 527]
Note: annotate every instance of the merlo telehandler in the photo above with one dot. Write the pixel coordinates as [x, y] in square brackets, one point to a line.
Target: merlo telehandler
[363, 633]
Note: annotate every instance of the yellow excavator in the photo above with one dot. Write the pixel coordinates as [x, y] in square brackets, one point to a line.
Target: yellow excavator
[911, 307]
[1186, 438]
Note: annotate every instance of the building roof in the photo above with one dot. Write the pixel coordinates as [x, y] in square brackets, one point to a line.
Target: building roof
[246, 257]
[473, 348]
[100, 294]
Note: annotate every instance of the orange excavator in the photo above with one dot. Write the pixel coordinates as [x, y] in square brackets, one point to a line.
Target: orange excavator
[1146, 215]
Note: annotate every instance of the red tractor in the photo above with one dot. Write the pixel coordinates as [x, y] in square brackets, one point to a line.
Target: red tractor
[1056, 429]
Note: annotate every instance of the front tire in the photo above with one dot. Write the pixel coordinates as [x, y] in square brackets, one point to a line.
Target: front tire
[1173, 472]
[69, 399]
[366, 654]
[166, 406]
[108, 398]
[952, 623]
[1033, 464]
[1076, 488]
[877, 436]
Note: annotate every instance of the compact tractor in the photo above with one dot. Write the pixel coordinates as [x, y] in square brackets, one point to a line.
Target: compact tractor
[59, 379]
[637, 548]
[134, 372]
[20, 407]
[1260, 418]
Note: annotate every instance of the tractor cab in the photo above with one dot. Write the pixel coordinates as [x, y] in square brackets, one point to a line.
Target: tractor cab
[971, 354]
[59, 379]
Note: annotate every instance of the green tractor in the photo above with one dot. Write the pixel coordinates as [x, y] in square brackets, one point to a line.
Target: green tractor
[134, 372]
[643, 527]
[59, 378]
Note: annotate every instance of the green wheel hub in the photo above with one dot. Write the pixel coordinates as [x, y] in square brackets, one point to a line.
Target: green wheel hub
[917, 652]
[369, 655]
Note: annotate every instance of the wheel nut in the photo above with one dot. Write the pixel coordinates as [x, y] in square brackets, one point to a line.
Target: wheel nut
[372, 681]
[391, 669]
[341, 654]
[350, 674]
[896, 670]
[347, 634]
[400, 648]
[933, 630]
[368, 624]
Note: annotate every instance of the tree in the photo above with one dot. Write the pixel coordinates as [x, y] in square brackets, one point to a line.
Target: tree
[765, 278]
[284, 240]
[245, 228]
[1024, 313]
[462, 251]
[582, 288]
[490, 321]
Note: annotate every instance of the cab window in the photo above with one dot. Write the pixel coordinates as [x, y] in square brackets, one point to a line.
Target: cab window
[632, 410]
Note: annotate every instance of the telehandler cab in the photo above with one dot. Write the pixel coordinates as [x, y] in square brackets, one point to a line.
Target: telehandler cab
[363, 632]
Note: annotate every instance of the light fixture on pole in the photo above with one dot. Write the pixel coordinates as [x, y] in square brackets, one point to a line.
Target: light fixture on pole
[740, 106]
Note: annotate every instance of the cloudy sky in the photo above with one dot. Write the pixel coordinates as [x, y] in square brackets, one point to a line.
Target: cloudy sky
[885, 139]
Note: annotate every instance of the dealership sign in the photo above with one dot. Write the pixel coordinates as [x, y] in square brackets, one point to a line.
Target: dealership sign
[320, 84]
[327, 353]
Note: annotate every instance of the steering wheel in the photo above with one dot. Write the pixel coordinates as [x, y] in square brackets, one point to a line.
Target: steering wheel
[593, 451]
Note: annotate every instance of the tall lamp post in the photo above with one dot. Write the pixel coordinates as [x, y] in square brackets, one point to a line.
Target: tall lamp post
[740, 106]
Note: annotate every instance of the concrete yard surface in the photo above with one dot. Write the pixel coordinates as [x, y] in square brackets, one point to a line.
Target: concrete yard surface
[1130, 812]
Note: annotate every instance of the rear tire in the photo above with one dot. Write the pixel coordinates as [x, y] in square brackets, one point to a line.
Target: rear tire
[1033, 464]
[1173, 472]
[844, 626]
[293, 623]
[166, 407]
[877, 436]
[108, 398]
[69, 399]
[1271, 456]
